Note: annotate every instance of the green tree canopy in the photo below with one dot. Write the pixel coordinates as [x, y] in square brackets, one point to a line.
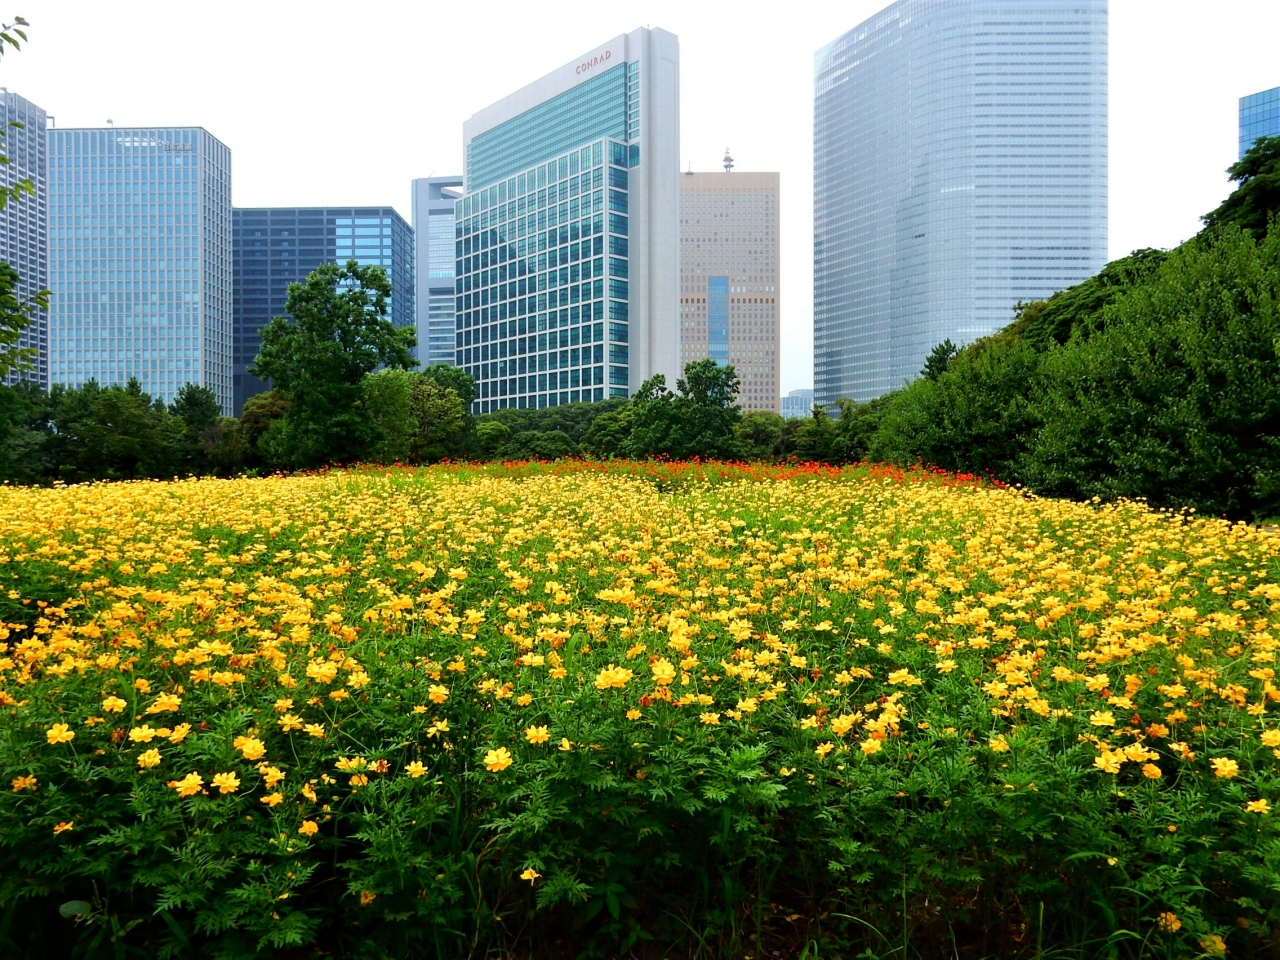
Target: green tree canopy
[337, 331]
[698, 421]
[1256, 199]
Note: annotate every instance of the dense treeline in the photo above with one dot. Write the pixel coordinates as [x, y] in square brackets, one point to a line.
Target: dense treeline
[1157, 378]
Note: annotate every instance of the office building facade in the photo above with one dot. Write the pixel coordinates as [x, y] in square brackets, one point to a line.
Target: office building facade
[960, 166]
[567, 235]
[434, 199]
[276, 246]
[24, 222]
[140, 259]
[729, 288]
[797, 404]
[1259, 117]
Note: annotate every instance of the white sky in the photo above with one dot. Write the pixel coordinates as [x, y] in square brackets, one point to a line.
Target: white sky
[328, 103]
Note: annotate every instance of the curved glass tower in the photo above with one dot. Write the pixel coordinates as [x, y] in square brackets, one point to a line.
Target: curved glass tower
[960, 166]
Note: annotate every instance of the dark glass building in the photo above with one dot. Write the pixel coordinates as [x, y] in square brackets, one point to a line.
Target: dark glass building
[276, 246]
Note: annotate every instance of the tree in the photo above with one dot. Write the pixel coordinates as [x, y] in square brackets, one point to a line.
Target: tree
[198, 409]
[759, 432]
[940, 357]
[113, 433]
[453, 378]
[443, 424]
[538, 445]
[336, 333]
[260, 413]
[387, 400]
[608, 433]
[1256, 201]
[698, 421]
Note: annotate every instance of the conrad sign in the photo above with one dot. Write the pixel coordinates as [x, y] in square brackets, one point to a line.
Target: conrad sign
[596, 61]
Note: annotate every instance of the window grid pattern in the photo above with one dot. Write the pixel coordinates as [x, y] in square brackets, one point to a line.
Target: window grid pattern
[276, 246]
[541, 297]
[960, 166]
[1259, 117]
[595, 108]
[140, 259]
[24, 223]
[729, 292]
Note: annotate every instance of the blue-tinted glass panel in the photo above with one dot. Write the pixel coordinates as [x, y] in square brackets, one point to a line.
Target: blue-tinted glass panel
[718, 319]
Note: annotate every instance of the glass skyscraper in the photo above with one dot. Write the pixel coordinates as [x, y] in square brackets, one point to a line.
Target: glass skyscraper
[567, 240]
[24, 223]
[960, 166]
[435, 265]
[140, 259]
[276, 246]
[1259, 117]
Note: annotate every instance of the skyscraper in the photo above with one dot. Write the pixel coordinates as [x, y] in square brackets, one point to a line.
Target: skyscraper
[567, 237]
[433, 227]
[140, 259]
[798, 403]
[276, 246]
[960, 166]
[1259, 117]
[729, 289]
[24, 223]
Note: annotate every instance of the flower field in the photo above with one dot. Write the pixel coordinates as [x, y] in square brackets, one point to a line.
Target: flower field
[544, 710]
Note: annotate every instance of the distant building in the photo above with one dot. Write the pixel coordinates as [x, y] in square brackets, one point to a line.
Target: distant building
[277, 246]
[1259, 117]
[729, 289]
[568, 234]
[140, 259]
[434, 266]
[24, 223]
[797, 403]
[960, 166]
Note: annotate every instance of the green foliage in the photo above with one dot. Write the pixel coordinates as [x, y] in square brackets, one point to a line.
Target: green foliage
[538, 445]
[760, 434]
[16, 314]
[26, 424]
[1078, 309]
[113, 433]
[420, 419]
[198, 410]
[453, 378]
[974, 418]
[697, 421]
[1176, 400]
[256, 419]
[336, 333]
[1256, 201]
[939, 359]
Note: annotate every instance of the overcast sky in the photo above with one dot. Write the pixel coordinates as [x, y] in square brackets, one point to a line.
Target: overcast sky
[328, 103]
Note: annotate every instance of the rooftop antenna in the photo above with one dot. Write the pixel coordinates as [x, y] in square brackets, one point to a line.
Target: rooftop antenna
[111, 123]
[689, 172]
[728, 161]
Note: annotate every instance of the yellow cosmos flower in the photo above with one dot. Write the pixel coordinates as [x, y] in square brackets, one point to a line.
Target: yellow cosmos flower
[143, 734]
[498, 760]
[113, 705]
[437, 693]
[226, 782]
[634, 714]
[309, 828]
[530, 874]
[63, 827]
[188, 785]
[537, 735]
[1169, 922]
[1224, 767]
[612, 676]
[823, 749]
[1102, 718]
[565, 745]
[709, 718]
[1271, 738]
[179, 733]
[415, 769]
[24, 783]
[1258, 806]
[60, 733]
[664, 672]
[251, 747]
[870, 747]
[1151, 771]
[165, 703]
[289, 723]
[149, 758]
[273, 799]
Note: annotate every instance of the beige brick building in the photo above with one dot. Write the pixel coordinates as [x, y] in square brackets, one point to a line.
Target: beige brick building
[729, 292]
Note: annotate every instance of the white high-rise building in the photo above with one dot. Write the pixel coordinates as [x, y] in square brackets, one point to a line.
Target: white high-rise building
[435, 265]
[960, 166]
[567, 237]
